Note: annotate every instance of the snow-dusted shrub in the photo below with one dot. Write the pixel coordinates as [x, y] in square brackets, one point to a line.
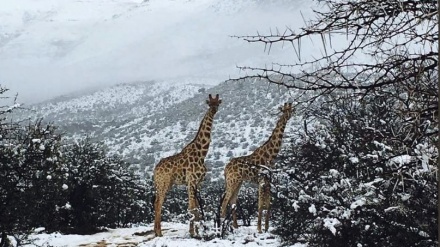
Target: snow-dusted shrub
[30, 185]
[65, 187]
[102, 191]
[360, 174]
[247, 204]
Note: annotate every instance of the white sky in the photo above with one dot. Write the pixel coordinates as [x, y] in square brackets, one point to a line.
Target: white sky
[49, 48]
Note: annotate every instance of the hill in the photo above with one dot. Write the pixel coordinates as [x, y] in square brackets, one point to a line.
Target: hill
[145, 121]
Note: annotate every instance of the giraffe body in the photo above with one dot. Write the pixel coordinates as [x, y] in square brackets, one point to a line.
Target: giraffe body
[248, 168]
[185, 168]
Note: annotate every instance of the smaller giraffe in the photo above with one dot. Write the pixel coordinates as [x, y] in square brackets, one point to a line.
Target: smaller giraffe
[264, 185]
[185, 168]
[247, 168]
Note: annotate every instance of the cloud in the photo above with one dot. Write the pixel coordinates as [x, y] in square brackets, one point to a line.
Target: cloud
[51, 49]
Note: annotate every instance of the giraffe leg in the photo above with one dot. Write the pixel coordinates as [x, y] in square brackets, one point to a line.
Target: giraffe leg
[194, 210]
[260, 212]
[162, 186]
[160, 198]
[233, 203]
[266, 220]
[197, 215]
[260, 206]
[226, 197]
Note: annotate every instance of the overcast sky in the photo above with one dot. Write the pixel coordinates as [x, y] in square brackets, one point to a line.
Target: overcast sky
[49, 48]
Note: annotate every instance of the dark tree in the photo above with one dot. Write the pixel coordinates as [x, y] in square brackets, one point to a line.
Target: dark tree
[365, 186]
[102, 191]
[47, 182]
[29, 176]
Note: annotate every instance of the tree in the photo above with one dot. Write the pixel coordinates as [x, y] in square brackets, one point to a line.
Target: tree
[29, 177]
[67, 187]
[102, 191]
[377, 96]
[399, 37]
[351, 181]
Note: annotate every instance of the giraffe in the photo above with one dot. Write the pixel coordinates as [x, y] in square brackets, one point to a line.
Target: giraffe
[185, 168]
[248, 168]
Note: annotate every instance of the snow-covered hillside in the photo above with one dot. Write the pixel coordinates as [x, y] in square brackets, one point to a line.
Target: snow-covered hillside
[146, 121]
[50, 47]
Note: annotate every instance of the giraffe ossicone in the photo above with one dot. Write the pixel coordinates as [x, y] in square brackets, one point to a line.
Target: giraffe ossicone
[248, 168]
[185, 168]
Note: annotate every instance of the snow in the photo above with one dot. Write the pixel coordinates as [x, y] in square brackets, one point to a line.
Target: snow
[331, 224]
[401, 160]
[382, 145]
[354, 160]
[371, 184]
[296, 206]
[425, 163]
[346, 214]
[389, 209]
[39, 229]
[333, 172]
[358, 203]
[424, 153]
[405, 196]
[67, 206]
[174, 235]
[11, 108]
[312, 209]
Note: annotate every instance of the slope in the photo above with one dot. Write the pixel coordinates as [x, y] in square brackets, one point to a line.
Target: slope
[146, 121]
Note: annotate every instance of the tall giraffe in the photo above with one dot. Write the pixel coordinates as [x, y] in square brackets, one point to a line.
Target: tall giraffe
[185, 168]
[247, 168]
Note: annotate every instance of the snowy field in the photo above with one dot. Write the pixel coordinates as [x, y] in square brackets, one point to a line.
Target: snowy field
[175, 234]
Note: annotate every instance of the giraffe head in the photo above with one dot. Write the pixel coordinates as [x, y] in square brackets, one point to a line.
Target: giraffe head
[287, 110]
[213, 102]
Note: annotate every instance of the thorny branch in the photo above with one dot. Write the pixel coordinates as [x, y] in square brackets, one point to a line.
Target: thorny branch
[397, 41]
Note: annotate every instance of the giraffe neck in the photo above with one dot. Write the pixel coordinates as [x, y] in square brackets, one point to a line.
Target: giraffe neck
[203, 138]
[270, 149]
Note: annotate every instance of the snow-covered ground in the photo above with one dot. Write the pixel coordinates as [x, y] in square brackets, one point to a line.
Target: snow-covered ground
[175, 235]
